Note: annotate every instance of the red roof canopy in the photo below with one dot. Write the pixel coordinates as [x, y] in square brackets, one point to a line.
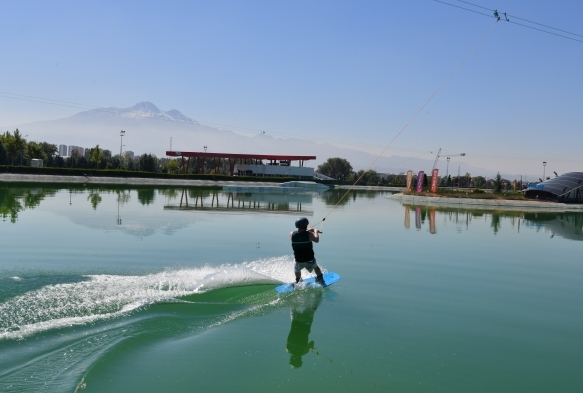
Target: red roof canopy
[233, 155]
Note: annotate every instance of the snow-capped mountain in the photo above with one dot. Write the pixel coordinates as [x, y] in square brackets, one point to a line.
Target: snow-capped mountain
[150, 130]
[142, 110]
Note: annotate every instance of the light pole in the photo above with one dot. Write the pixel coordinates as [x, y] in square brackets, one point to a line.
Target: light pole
[448, 157]
[544, 169]
[205, 148]
[121, 134]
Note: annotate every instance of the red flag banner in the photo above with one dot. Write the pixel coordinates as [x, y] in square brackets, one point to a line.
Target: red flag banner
[434, 179]
[420, 181]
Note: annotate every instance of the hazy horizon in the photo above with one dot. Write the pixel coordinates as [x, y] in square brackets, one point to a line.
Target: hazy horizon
[325, 71]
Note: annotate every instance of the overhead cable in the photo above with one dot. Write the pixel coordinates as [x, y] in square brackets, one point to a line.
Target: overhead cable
[497, 15]
[411, 120]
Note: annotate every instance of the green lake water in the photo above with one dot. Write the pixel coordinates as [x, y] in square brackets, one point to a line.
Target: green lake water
[172, 289]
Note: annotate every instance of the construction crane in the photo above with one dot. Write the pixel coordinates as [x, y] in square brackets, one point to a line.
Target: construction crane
[437, 158]
[448, 157]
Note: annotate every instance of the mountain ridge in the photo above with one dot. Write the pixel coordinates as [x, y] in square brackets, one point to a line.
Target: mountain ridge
[141, 110]
[142, 135]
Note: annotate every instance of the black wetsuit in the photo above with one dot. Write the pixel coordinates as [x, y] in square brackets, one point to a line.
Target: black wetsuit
[302, 245]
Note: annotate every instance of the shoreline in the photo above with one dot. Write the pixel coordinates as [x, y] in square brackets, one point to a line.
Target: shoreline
[486, 204]
[120, 181]
[141, 181]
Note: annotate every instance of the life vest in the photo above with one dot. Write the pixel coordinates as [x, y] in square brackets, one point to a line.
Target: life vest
[302, 245]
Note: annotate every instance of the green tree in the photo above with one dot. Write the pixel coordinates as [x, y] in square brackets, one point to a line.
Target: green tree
[337, 168]
[2, 153]
[13, 143]
[19, 141]
[49, 148]
[126, 161]
[148, 163]
[96, 156]
[397, 181]
[172, 166]
[35, 150]
[369, 177]
[498, 183]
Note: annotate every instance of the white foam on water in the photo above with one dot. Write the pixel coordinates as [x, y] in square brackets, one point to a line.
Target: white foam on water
[280, 268]
[103, 297]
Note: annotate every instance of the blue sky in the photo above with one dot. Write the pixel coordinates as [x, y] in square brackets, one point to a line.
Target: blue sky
[346, 70]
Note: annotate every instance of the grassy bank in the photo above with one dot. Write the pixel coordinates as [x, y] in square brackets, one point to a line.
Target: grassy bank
[470, 194]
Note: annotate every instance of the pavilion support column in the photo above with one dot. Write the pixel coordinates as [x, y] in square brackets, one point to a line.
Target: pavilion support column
[182, 164]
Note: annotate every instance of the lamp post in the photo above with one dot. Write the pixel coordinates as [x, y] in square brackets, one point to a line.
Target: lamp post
[205, 148]
[121, 134]
[544, 169]
[448, 157]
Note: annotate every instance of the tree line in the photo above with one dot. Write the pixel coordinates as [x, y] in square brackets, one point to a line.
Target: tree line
[15, 150]
[340, 169]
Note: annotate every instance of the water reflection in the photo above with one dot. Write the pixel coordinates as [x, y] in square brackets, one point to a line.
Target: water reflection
[246, 202]
[335, 197]
[14, 200]
[146, 196]
[94, 198]
[568, 225]
[302, 316]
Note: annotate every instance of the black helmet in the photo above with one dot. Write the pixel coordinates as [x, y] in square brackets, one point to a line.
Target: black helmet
[302, 222]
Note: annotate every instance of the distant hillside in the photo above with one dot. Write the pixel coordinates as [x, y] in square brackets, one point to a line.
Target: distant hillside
[149, 129]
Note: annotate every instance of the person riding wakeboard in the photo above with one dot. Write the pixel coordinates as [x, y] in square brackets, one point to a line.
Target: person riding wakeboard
[301, 241]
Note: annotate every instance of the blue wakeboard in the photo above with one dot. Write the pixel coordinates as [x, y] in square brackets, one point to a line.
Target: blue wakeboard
[329, 279]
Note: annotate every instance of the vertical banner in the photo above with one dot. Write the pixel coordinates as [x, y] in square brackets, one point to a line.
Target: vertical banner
[434, 180]
[417, 218]
[432, 226]
[407, 217]
[409, 180]
[420, 181]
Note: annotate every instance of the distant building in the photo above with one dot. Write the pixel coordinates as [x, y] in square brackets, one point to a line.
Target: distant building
[80, 151]
[36, 162]
[567, 188]
[62, 150]
[250, 164]
[129, 153]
